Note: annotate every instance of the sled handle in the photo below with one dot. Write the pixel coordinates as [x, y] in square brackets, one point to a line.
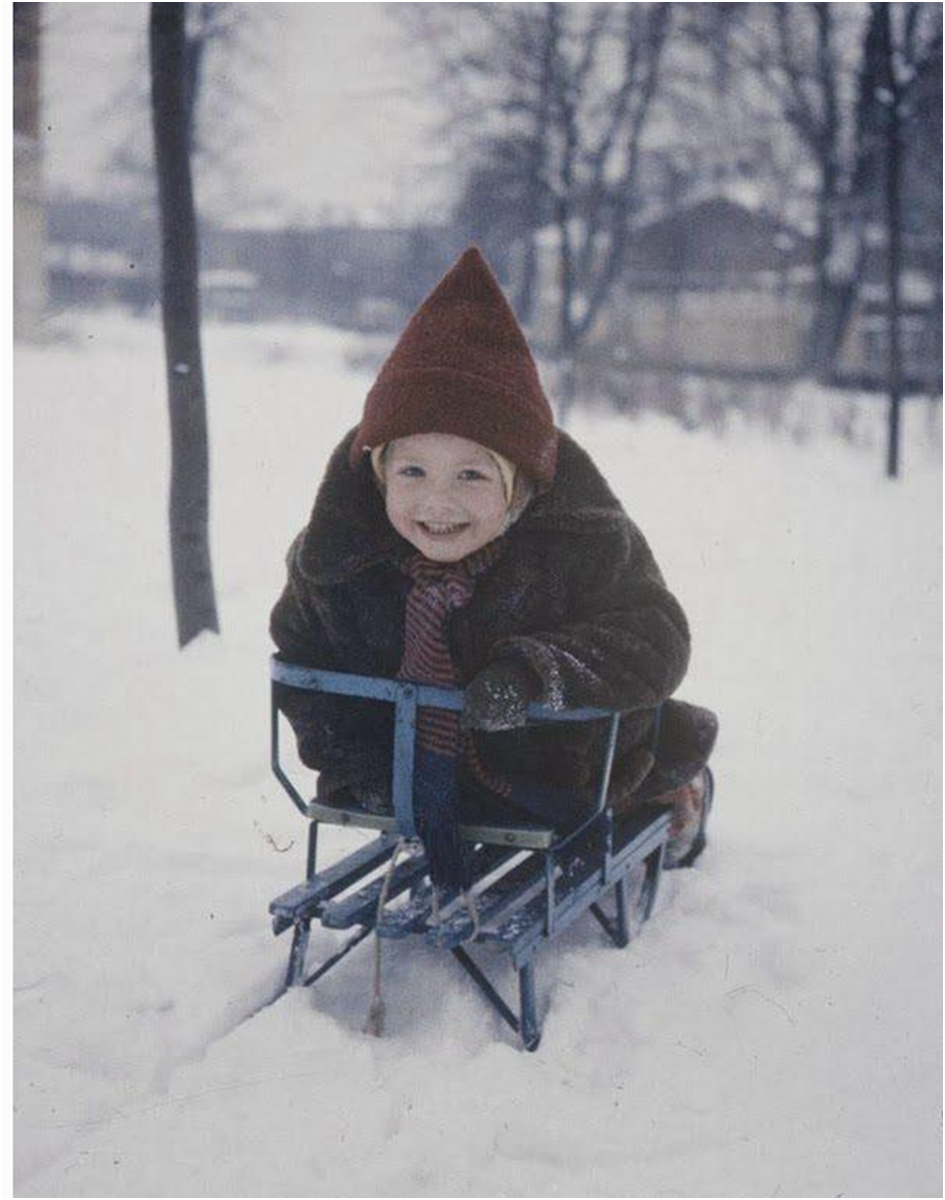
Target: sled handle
[407, 698]
[374, 687]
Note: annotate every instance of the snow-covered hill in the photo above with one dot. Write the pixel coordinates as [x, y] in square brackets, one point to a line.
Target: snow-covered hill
[774, 1030]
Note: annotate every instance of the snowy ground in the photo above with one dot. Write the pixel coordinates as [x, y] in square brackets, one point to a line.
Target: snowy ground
[774, 1030]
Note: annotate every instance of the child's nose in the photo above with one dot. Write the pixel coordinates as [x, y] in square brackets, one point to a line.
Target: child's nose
[440, 489]
[440, 499]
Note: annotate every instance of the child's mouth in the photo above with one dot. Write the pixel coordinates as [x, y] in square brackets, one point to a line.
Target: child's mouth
[443, 529]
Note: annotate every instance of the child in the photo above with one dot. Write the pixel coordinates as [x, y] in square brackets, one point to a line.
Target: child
[460, 539]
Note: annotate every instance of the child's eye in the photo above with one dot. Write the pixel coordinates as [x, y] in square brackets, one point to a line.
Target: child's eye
[411, 472]
[471, 473]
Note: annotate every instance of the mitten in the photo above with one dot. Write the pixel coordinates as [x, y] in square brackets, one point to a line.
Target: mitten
[499, 696]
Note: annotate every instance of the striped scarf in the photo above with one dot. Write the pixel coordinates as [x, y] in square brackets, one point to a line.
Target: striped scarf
[439, 589]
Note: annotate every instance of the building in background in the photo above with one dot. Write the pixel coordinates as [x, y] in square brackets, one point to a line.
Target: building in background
[102, 253]
[714, 289]
[718, 289]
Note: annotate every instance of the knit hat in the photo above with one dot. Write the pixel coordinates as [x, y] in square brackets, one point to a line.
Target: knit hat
[462, 366]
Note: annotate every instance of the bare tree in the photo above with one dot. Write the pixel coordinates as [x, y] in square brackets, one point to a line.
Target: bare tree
[924, 114]
[571, 88]
[491, 71]
[823, 67]
[807, 58]
[229, 51]
[502, 206]
[904, 52]
[173, 87]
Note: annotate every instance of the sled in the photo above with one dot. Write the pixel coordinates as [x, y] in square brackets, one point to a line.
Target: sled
[530, 882]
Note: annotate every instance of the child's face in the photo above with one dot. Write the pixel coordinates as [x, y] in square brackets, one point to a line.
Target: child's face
[444, 494]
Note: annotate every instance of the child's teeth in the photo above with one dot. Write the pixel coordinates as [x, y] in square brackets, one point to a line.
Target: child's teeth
[440, 528]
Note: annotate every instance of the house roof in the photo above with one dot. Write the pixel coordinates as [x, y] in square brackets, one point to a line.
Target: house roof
[717, 236]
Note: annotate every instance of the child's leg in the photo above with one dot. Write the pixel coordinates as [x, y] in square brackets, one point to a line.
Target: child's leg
[436, 811]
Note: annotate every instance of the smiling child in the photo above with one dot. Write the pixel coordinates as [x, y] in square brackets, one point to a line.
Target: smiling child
[460, 539]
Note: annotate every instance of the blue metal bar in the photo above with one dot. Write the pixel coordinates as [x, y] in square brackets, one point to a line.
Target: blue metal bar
[338, 956]
[608, 761]
[525, 944]
[549, 892]
[519, 884]
[621, 894]
[277, 770]
[311, 850]
[608, 844]
[405, 724]
[657, 728]
[617, 928]
[579, 886]
[531, 1033]
[414, 917]
[314, 679]
[296, 968]
[372, 687]
[360, 906]
[605, 922]
[304, 899]
[527, 1024]
[486, 987]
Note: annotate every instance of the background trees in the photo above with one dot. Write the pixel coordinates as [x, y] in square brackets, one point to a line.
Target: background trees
[578, 122]
[553, 103]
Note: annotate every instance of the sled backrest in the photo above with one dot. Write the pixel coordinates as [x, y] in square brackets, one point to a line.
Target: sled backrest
[407, 698]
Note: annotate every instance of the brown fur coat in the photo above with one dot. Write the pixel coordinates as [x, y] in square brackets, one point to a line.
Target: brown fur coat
[576, 594]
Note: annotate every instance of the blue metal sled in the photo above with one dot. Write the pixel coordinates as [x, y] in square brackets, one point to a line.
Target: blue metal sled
[529, 881]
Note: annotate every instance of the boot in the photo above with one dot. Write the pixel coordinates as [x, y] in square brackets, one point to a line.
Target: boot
[687, 832]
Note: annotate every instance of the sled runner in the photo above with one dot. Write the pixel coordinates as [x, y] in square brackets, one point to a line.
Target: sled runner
[529, 881]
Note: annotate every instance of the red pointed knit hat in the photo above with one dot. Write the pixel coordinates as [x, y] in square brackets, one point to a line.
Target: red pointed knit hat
[462, 366]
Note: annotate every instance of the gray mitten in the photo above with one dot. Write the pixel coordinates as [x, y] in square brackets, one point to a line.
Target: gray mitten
[499, 696]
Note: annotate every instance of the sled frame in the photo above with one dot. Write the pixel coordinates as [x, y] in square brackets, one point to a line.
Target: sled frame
[541, 881]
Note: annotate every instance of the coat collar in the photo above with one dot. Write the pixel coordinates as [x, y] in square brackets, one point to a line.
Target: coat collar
[348, 530]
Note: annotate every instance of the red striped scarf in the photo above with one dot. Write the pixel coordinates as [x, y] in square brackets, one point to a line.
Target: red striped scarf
[439, 589]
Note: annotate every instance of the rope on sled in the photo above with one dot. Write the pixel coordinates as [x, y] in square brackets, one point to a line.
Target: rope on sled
[375, 1019]
[376, 1014]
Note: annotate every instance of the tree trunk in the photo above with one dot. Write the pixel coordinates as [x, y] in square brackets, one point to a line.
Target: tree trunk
[892, 204]
[536, 178]
[194, 597]
[526, 288]
[29, 218]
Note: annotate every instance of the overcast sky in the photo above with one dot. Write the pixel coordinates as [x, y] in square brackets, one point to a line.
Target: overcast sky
[338, 122]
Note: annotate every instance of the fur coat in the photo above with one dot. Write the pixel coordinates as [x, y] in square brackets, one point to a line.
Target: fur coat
[576, 594]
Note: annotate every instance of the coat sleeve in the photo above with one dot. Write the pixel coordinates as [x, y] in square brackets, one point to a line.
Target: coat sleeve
[627, 646]
[346, 740]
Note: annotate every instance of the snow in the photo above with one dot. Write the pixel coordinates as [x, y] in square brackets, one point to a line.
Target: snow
[773, 1030]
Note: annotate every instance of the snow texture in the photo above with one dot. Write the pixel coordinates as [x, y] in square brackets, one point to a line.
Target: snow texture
[773, 1030]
